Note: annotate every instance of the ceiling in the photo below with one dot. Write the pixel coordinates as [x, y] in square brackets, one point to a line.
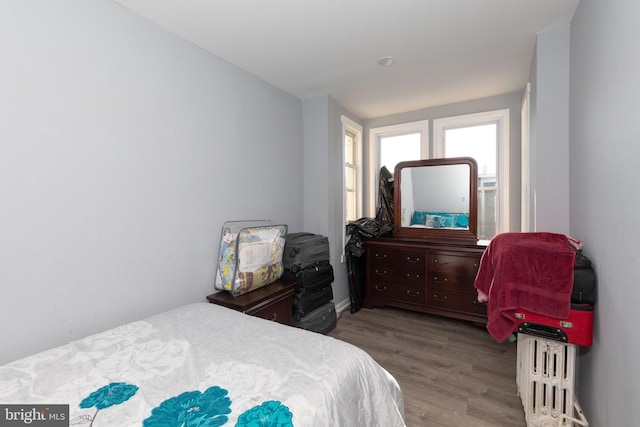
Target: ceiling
[445, 51]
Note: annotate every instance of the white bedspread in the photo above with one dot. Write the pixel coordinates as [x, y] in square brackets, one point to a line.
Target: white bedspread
[205, 365]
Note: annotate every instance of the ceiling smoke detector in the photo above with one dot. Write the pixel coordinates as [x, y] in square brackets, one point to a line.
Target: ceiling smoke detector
[386, 61]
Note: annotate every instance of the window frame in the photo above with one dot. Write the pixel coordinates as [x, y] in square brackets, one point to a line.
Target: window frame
[375, 134]
[527, 211]
[501, 118]
[356, 129]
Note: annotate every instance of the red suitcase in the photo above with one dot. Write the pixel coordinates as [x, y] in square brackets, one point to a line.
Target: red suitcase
[576, 329]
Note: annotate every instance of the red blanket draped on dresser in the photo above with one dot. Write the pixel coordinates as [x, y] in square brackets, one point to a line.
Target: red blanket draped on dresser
[532, 271]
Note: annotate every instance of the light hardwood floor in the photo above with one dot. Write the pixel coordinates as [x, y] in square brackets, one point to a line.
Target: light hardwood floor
[452, 373]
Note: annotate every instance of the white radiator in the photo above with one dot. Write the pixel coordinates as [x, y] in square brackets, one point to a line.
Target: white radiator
[545, 379]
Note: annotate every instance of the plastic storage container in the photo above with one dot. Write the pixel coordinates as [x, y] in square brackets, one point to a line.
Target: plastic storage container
[250, 255]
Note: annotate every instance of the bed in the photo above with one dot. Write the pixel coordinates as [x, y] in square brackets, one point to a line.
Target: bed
[206, 365]
[424, 219]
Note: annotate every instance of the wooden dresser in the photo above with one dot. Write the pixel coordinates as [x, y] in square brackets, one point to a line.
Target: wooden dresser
[272, 302]
[435, 278]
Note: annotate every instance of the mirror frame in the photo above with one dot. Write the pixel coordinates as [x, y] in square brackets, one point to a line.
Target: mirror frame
[437, 234]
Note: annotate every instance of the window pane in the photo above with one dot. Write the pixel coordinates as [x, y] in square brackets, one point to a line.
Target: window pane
[350, 179]
[479, 142]
[486, 209]
[350, 206]
[396, 149]
[349, 149]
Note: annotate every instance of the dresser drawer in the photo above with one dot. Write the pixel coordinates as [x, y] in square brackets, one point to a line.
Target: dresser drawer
[392, 273]
[457, 301]
[463, 265]
[271, 302]
[278, 311]
[401, 258]
[452, 272]
[397, 292]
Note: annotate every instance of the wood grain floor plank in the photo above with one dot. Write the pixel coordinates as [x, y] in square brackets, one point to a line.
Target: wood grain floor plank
[452, 373]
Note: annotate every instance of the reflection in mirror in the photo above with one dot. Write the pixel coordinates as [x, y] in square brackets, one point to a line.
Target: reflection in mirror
[436, 199]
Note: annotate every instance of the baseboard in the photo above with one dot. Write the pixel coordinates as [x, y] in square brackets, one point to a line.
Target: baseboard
[342, 306]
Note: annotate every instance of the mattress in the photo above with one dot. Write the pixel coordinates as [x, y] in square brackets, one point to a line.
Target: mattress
[206, 365]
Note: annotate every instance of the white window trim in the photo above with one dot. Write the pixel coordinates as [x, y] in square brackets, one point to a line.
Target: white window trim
[355, 128]
[527, 217]
[421, 126]
[502, 118]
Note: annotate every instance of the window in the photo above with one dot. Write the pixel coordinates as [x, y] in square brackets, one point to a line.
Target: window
[390, 145]
[485, 137]
[396, 149]
[352, 176]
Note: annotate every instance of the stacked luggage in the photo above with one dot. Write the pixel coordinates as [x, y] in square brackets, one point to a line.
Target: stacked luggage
[306, 261]
[577, 328]
[547, 354]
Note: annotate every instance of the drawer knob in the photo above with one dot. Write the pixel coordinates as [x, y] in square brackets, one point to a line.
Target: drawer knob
[443, 281]
[417, 293]
[380, 256]
[275, 316]
[435, 296]
[381, 288]
[413, 277]
[381, 272]
[440, 262]
[413, 260]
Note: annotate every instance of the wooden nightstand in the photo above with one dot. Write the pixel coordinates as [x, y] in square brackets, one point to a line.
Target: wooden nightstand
[271, 302]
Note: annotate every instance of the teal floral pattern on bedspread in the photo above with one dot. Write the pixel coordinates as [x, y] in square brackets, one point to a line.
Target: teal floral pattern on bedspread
[270, 414]
[192, 408]
[188, 409]
[109, 395]
[105, 397]
[209, 409]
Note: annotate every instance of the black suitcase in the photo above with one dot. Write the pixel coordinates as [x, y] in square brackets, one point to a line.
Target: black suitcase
[302, 250]
[356, 270]
[322, 320]
[311, 277]
[584, 281]
[306, 300]
[584, 286]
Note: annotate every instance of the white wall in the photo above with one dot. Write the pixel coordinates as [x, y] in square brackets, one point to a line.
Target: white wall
[322, 177]
[316, 164]
[604, 152]
[122, 151]
[549, 142]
